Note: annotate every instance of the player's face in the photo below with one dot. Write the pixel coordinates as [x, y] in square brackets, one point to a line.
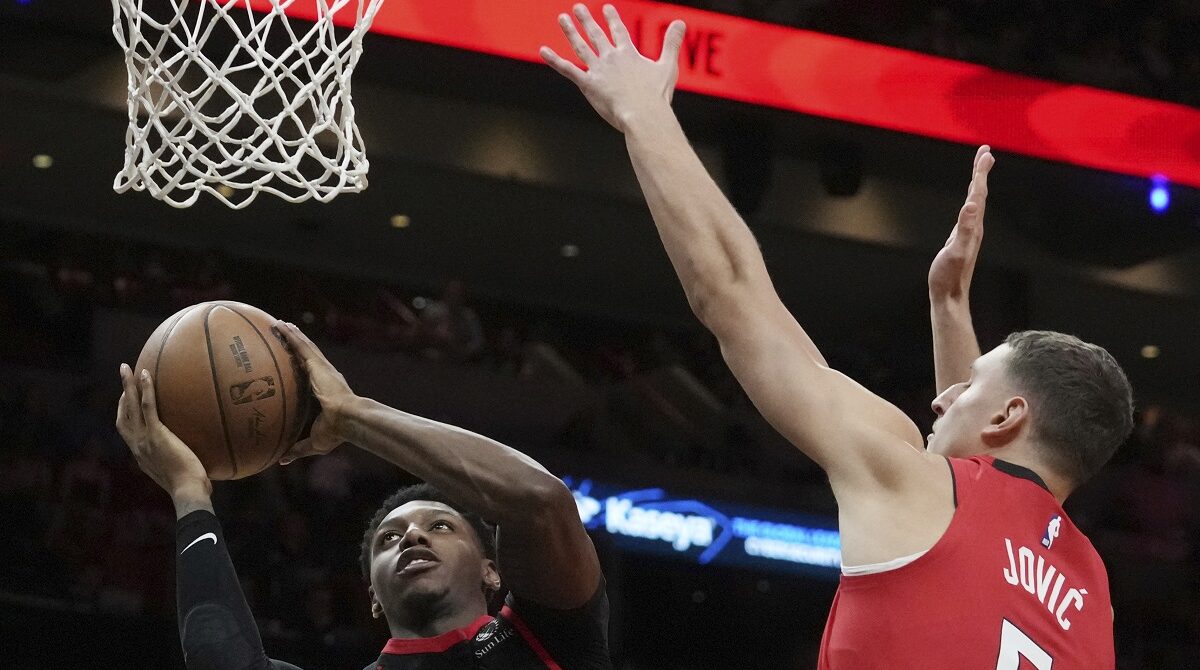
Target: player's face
[965, 409]
[426, 560]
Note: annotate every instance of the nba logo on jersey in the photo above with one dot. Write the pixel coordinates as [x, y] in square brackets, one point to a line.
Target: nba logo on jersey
[1051, 531]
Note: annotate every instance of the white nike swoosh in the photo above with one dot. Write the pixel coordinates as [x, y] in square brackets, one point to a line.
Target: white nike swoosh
[206, 536]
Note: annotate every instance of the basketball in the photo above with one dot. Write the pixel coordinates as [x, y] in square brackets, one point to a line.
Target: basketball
[227, 386]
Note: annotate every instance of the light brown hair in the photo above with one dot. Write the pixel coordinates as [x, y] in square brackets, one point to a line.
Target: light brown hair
[1081, 401]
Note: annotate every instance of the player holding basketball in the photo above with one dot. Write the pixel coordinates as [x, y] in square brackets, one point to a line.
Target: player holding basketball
[430, 559]
[949, 556]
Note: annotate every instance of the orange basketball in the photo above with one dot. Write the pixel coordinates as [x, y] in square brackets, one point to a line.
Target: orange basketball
[227, 386]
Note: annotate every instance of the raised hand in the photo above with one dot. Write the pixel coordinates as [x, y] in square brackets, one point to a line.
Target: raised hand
[328, 386]
[158, 451]
[952, 268]
[619, 82]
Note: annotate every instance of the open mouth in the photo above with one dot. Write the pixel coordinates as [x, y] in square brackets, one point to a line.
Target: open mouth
[416, 559]
[419, 565]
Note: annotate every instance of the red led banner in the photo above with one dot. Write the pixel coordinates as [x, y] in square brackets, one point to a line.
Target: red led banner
[838, 78]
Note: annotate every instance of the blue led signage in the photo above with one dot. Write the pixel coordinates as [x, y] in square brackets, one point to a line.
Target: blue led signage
[709, 532]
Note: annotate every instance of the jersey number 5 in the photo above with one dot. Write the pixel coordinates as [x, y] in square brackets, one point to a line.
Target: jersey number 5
[1014, 644]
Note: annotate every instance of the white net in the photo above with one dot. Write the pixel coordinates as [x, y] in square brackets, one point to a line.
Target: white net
[233, 102]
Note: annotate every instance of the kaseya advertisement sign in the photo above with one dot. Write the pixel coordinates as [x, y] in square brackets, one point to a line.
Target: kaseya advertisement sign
[709, 532]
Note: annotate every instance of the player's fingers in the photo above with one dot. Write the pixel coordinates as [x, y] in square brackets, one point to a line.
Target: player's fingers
[302, 348]
[131, 432]
[561, 65]
[616, 27]
[291, 339]
[122, 422]
[968, 232]
[120, 411]
[149, 402]
[313, 353]
[295, 452]
[593, 30]
[309, 446]
[578, 44]
[983, 149]
[129, 411]
[672, 41]
[983, 165]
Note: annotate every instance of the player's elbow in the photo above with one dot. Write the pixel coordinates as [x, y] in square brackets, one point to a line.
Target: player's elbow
[720, 287]
[542, 493]
[722, 308]
[213, 638]
[700, 301]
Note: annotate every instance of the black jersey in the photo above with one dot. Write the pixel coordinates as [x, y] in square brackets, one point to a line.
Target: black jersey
[217, 629]
[523, 636]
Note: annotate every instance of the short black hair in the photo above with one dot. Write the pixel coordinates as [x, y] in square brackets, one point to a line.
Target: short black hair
[485, 531]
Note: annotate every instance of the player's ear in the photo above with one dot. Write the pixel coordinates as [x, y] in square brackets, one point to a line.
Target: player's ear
[376, 606]
[1004, 427]
[490, 575]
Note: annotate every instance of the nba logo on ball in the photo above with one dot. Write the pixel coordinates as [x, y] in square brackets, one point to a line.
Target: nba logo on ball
[255, 389]
[1051, 531]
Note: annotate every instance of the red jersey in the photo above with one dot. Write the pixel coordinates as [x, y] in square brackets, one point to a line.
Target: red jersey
[1012, 584]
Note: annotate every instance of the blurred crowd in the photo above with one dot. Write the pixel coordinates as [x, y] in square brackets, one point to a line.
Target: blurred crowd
[1145, 48]
[669, 389]
[78, 514]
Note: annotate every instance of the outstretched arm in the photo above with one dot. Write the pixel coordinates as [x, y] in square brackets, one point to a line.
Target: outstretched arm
[851, 433]
[216, 628]
[954, 344]
[545, 553]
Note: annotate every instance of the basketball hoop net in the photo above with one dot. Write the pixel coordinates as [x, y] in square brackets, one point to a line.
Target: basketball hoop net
[272, 113]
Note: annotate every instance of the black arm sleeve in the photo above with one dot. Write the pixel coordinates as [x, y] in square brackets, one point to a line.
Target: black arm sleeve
[215, 625]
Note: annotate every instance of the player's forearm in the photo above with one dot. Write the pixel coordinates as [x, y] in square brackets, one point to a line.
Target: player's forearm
[216, 627]
[954, 344]
[486, 477]
[710, 247]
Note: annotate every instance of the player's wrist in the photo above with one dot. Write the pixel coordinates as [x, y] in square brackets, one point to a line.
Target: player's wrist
[345, 414]
[191, 495]
[192, 488]
[646, 120]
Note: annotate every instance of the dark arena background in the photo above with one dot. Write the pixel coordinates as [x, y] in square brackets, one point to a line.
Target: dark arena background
[497, 193]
